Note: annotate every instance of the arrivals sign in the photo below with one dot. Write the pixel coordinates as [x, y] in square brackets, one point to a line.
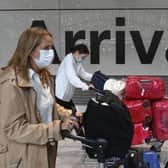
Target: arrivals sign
[132, 42]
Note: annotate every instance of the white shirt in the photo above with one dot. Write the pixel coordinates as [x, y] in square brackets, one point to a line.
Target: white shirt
[44, 100]
[68, 78]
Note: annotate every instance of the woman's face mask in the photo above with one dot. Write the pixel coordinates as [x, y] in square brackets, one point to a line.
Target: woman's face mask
[45, 59]
[78, 60]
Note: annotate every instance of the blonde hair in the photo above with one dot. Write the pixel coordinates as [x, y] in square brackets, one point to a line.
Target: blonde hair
[27, 43]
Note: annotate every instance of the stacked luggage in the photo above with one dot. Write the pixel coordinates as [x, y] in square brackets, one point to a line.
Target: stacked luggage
[145, 99]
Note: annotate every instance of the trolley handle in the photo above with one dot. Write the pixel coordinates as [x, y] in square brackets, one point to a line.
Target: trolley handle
[97, 90]
[100, 145]
[92, 143]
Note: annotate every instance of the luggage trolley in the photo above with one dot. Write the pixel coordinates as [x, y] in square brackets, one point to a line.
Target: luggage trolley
[99, 145]
[102, 136]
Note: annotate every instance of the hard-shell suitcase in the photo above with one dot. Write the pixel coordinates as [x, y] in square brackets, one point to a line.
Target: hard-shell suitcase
[160, 119]
[144, 87]
[141, 134]
[139, 109]
[98, 80]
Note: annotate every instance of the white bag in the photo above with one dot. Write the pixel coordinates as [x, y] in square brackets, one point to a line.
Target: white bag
[115, 86]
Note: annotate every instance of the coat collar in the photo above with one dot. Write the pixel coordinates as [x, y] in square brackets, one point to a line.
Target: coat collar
[21, 82]
[13, 74]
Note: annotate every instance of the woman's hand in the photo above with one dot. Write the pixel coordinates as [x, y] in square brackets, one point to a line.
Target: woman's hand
[91, 86]
[79, 115]
[69, 123]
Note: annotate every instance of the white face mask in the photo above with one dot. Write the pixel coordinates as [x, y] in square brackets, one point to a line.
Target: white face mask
[78, 60]
[45, 59]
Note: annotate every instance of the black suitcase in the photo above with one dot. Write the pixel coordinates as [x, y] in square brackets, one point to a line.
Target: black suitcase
[112, 123]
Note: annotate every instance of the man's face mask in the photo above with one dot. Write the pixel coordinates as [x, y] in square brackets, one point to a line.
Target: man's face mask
[45, 59]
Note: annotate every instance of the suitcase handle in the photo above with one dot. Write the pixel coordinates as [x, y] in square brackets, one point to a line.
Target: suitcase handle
[144, 81]
[164, 123]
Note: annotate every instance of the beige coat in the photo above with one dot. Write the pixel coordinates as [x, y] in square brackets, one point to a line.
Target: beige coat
[23, 139]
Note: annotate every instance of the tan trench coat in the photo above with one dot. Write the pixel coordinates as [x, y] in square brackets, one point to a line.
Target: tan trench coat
[23, 139]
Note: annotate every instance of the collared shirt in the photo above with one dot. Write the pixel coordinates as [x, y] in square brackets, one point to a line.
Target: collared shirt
[68, 78]
[45, 100]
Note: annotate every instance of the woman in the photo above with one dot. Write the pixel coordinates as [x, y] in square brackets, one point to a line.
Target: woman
[69, 76]
[29, 123]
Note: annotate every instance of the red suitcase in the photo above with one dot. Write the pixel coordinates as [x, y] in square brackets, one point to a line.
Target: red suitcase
[144, 87]
[160, 119]
[140, 110]
[141, 134]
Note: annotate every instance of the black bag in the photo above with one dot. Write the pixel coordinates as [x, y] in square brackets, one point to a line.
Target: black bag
[112, 123]
[99, 79]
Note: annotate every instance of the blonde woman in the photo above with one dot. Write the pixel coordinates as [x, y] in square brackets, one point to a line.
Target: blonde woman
[29, 123]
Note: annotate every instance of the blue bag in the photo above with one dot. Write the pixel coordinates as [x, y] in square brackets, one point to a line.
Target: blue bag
[99, 79]
[151, 158]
